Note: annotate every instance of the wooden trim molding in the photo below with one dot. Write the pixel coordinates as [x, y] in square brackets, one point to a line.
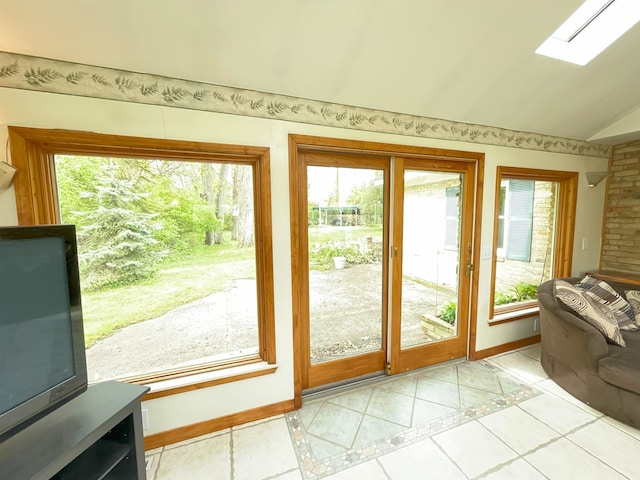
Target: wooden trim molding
[565, 219]
[56, 76]
[613, 276]
[206, 384]
[506, 347]
[475, 272]
[325, 144]
[514, 315]
[32, 153]
[208, 426]
[300, 145]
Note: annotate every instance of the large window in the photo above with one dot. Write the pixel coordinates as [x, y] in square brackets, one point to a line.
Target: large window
[174, 247]
[533, 236]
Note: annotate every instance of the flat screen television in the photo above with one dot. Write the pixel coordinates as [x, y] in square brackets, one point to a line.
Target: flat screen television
[42, 350]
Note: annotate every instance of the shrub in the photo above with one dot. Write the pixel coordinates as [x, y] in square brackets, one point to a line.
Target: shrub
[526, 291]
[519, 293]
[503, 298]
[321, 255]
[448, 313]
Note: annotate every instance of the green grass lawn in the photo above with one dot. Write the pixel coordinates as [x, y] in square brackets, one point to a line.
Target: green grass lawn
[320, 234]
[205, 271]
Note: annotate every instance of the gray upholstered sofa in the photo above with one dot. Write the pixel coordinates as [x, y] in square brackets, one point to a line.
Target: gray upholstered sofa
[578, 358]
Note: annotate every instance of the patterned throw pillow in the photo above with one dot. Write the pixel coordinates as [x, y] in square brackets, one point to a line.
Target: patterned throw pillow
[607, 296]
[633, 297]
[587, 307]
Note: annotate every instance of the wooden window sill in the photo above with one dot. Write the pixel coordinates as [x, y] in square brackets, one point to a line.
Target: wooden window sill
[189, 383]
[613, 276]
[514, 315]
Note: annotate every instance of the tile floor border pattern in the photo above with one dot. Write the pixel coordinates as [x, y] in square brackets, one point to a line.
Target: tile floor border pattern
[314, 469]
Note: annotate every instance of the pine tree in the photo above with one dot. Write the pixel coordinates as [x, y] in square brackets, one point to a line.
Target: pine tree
[117, 242]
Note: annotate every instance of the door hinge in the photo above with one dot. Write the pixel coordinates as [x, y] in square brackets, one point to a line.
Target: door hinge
[387, 369]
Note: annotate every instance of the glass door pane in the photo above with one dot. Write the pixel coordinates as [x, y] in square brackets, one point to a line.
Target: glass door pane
[430, 256]
[345, 245]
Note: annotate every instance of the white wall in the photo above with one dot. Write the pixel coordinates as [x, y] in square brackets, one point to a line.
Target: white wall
[43, 110]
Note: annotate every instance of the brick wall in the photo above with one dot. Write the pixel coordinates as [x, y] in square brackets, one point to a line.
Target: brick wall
[621, 232]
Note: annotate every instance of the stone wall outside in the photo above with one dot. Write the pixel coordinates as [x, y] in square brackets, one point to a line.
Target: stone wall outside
[511, 272]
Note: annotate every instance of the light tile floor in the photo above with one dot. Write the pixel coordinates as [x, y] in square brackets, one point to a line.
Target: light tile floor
[496, 419]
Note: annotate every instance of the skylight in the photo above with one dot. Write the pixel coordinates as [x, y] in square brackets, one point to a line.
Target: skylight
[594, 26]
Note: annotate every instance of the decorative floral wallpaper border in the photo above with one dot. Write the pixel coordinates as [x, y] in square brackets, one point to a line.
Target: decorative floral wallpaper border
[54, 76]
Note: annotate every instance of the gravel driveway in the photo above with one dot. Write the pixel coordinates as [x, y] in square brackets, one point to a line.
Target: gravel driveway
[226, 322]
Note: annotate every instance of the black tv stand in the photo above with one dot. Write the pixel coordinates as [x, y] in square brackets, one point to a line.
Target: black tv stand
[97, 435]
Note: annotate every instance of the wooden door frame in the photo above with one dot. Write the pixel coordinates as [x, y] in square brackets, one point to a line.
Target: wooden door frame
[314, 375]
[335, 145]
[410, 358]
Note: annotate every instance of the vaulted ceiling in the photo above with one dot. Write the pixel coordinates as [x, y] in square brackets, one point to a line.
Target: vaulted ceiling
[463, 60]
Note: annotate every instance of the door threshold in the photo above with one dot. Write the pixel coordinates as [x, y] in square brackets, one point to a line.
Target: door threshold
[343, 385]
[369, 379]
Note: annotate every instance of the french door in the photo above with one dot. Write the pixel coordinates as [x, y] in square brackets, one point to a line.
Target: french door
[344, 324]
[431, 256]
[384, 244]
